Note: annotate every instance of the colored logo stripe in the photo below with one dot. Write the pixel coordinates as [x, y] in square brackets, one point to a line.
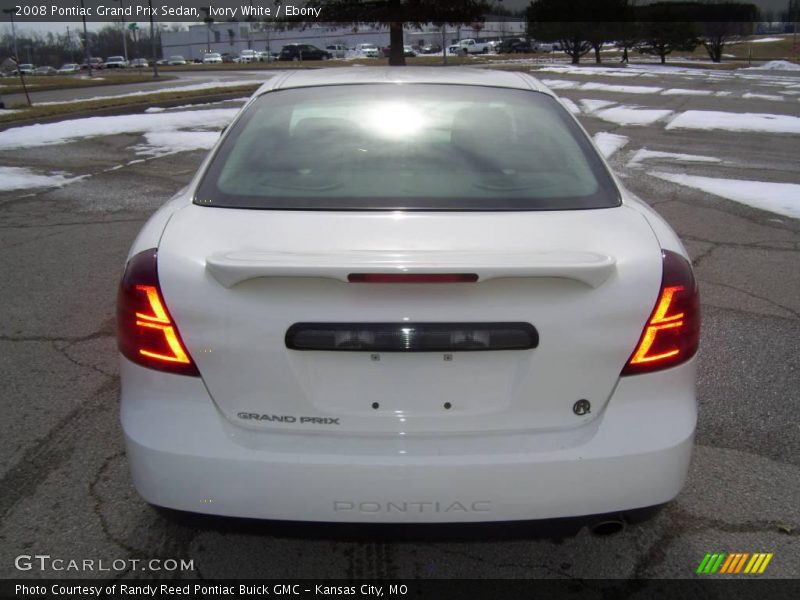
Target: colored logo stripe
[734, 563]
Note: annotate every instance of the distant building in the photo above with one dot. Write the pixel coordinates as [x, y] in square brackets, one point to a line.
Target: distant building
[233, 37]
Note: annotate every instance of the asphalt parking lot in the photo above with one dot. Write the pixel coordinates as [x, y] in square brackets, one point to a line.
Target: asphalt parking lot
[66, 489]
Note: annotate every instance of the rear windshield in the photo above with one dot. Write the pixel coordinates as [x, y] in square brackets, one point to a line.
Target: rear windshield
[406, 147]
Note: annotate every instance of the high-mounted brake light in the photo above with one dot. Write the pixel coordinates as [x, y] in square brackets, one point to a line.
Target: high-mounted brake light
[412, 277]
[146, 334]
[672, 332]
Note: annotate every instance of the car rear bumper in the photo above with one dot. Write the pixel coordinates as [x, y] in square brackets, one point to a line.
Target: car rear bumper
[185, 454]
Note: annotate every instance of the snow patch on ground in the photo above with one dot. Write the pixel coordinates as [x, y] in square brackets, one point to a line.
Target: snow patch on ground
[779, 198]
[766, 39]
[644, 154]
[763, 96]
[685, 92]
[573, 108]
[759, 122]
[608, 143]
[775, 65]
[19, 178]
[161, 143]
[560, 84]
[590, 106]
[47, 134]
[624, 89]
[632, 115]
[723, 93]
[604, 71]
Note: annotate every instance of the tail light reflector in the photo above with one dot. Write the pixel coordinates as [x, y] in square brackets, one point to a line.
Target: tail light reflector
[146, 334]
[672, 333]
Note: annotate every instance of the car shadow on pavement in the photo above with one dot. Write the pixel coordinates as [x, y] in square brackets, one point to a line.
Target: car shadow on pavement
[550, 529]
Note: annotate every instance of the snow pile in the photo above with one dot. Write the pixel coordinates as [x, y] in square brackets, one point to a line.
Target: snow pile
[161, 143]
[577, 70]
[644, 154]
[712, 119]
[624, 89]
[632, 115]
[686, 92]
[592, 105]
[559, 84]
[19, 178]
[775, 65]
[46, 134]
[608, 143]
[779, 198]
[763, 96]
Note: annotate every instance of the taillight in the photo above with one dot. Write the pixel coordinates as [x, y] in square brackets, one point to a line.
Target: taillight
[672, 332]
[146, 334]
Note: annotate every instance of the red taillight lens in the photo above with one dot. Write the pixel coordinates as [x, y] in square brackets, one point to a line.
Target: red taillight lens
[672, 332]
[146, 334]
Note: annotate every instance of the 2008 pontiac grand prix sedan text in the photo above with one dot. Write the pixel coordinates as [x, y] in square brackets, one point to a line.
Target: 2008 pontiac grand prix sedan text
[395, 295]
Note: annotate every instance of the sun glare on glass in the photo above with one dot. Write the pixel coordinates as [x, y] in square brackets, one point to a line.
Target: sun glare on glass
[395, 120]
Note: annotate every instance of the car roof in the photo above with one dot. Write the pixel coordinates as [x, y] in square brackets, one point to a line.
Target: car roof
[440, 75]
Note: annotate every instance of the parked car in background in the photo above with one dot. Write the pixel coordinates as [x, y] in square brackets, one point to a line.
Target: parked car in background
[212, 58]
[368, 50]
[431, 49]
[26, 69]
[248, 56]
[337, 50]
[303, 52]
[324, 326]
[45, 71]
[547, 46]
[515, 45]
[470, 46]
[407, 51]
[116, 62]
[176, 60]
[69, 69]
[95, 61]
[139, 63]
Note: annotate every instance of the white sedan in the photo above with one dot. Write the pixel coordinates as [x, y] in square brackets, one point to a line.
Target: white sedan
[407, 295]
[212, 58]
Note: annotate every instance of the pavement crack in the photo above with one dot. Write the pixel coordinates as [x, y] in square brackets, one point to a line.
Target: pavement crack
[792, 311]
[64, 352]
[71, 224]
[50, 452]
[698, 259]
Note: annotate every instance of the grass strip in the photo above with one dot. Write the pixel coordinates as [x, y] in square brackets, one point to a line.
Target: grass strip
[35, 112]
[41, 83]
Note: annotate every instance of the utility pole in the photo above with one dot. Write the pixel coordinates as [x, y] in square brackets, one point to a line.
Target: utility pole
[86, 54]
[153, 40]
[124, 33]
[209, 20]
[10, 13]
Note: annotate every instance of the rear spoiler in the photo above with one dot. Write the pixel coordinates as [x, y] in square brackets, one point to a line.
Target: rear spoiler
[231, 268]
